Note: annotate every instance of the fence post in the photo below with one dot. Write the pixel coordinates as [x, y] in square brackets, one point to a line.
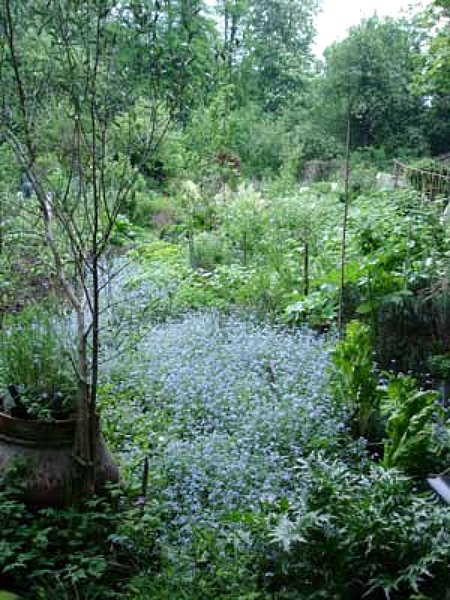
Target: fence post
[395, 175]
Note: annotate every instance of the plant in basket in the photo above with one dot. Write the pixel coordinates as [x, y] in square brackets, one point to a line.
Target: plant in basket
[37, 377]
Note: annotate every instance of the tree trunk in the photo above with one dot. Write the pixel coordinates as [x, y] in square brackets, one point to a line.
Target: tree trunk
[84, 444]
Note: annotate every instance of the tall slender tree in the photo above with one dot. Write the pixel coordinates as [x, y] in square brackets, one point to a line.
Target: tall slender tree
[67, 93]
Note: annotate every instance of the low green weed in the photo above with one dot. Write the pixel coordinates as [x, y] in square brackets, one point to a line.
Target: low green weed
[85, 552]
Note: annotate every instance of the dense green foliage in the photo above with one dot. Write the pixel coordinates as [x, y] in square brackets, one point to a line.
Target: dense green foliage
[185, 159]
[368, 78]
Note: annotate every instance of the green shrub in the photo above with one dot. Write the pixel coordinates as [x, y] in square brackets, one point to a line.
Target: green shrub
[371, 156]
[151, 209]
[209, 250]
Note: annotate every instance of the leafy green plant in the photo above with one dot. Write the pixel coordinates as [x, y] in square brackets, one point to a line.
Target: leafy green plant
[410, 415]
[87, 551]
[354, 381]
[318, 309]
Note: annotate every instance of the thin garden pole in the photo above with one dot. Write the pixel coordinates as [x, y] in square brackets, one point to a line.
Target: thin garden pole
[344, 230]
[306, 267]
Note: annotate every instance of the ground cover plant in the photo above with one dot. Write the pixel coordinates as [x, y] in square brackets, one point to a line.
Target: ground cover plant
[223, 408]
[255, 486]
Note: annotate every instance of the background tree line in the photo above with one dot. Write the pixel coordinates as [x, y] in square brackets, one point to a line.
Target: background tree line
[239, 76]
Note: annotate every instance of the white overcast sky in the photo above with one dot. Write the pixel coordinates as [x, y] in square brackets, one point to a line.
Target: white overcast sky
[338, 15]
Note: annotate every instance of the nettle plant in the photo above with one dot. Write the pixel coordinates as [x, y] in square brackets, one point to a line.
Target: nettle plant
[358, 531]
